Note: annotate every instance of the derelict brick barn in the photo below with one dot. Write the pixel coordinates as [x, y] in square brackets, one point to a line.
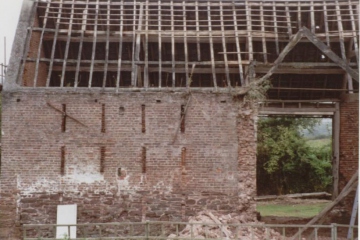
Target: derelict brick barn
[134, 110]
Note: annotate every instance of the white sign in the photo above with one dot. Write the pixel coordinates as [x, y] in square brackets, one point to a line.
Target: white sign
[66, 214]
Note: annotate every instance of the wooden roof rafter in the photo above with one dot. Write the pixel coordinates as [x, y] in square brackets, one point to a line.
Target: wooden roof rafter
[155, 43]
[305, 32]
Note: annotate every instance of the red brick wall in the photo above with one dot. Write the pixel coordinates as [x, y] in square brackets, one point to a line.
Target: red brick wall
[349, 138]
[217, 172]
[349, 154]
[29, 69]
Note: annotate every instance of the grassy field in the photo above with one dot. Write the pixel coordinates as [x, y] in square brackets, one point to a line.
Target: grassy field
[290, 210]
[318, 143]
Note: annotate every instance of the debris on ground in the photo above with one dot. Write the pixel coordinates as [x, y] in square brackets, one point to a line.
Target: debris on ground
[208, 224]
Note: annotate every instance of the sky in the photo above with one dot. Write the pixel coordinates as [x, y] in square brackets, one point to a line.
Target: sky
[9, 16]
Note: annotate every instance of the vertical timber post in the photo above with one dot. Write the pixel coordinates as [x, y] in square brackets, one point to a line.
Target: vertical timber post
[336, 151]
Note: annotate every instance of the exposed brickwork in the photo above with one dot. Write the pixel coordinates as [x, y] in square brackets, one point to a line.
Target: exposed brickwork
[349, 139]
[29, 69]
[349, 153]
[217, 172]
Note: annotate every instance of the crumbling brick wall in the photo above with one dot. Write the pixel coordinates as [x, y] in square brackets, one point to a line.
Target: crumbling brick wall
[119, 160]
[349, 152]
[349, 138]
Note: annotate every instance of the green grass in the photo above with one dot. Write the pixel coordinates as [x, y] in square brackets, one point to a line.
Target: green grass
[289, 210]
[318, 143]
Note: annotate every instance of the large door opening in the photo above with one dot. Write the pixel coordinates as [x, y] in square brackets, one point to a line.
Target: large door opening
[294, 155]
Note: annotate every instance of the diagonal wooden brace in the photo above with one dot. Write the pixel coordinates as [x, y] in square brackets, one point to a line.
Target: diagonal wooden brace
[295, 39]
[329, 53]
[320, 45]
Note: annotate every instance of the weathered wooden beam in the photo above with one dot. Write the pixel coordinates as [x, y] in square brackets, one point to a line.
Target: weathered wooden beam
[211, 46]
[355, 32]
[242, 81]
[296, 38]
[120, 49]
[197, 31]
[136, 68]
[276, 29]
[296, 111]
[298, 65]
[336, 151]
[172, 44]
[193, 36]
[83, 28]
[159, 43]
[326, 25]
[312, 17]
[288, 19]
[186, 47]
[310, 64]
[347, 79]
[107, 44]
[312, 38]
[330, 54]
[94, 43]
[182, 69]
[348, 82]
[328, 101]
[350, 186]
[249, 42]
[292, 3]
[295, 195]
[41, 44]
[146, 46]
[289, 70]
[263, 40]
[299, 22]
[311, 89]
[224, 45]
[54, 44]
[133, 54]
[67, 46]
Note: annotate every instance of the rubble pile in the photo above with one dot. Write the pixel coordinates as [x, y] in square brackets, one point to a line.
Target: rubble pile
[207, 225]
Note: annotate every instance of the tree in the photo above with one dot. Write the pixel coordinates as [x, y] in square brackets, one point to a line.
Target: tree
[285, 160]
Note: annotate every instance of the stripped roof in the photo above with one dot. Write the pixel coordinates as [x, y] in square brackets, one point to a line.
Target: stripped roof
[218, 45]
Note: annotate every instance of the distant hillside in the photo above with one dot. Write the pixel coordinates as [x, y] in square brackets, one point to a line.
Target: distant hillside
[323, 130]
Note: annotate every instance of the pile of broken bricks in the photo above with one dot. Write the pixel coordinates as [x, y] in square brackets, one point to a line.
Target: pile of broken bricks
[210, 225]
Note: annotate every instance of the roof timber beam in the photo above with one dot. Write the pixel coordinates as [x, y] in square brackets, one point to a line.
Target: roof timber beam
[330, 54]
[284, 68]
[296, 111]
[320, 45]
[282, 3]
[300, 70]
[323, 107]
[181, 69]
[192, 37]
[281, 56]
[259, 65]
